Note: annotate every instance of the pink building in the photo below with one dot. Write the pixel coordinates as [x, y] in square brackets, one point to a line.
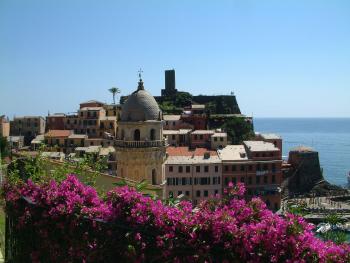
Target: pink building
[201, 138]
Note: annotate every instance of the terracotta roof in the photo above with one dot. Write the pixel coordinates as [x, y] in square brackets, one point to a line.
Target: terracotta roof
[185, 151]
[58, 133]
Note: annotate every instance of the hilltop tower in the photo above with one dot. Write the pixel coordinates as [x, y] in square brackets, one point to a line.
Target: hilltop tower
[140, 146]
[170, 89]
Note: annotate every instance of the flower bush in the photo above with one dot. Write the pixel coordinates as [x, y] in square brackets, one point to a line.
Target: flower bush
[69, 222]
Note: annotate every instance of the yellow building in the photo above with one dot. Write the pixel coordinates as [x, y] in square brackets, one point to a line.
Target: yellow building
[140, 145]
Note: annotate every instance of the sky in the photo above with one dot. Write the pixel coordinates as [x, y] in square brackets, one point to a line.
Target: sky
[280, 58]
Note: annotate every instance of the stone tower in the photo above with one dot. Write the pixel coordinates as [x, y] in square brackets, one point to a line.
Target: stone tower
[140, 146]
[170, 89]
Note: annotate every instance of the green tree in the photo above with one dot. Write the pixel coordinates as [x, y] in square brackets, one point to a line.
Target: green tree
[183, 99]
[238, 129]
[114, 91]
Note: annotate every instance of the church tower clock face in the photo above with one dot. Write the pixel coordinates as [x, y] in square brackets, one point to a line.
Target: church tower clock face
[140, 145]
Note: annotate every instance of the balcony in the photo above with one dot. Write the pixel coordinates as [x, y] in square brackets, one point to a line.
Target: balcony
[140, 144]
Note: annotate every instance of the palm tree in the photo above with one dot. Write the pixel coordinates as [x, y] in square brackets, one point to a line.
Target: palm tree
[114, 91]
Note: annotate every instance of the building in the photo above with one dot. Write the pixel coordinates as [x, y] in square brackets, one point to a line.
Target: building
[270, 137]
[4, 126]
[201, 138]
[257, 164]
[55, 121]
[140, 146]
[37, 142]
[196, 116]
[27, 126]
[218, 140]
[195, 174]
[175, 122]
[178, 137]
[15, 142]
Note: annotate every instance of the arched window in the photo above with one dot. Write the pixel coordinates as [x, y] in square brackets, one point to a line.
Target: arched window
[137, 135]
[154, 176]
[152, 135]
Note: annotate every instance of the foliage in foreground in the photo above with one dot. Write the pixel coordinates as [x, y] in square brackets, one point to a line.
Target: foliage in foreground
[75, 225]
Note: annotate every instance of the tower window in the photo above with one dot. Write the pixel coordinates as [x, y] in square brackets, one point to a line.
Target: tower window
[153, 134]
[137, 135]
[154, 177]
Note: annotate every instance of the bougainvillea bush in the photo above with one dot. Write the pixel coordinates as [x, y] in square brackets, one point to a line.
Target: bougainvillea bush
[69, 222]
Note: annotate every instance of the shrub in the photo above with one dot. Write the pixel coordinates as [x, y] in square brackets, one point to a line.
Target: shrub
[73, 224]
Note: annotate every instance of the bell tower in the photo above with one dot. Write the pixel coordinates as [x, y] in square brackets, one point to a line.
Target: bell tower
[140, 145]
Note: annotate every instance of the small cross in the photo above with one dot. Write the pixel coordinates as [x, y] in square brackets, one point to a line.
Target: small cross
[140, 72]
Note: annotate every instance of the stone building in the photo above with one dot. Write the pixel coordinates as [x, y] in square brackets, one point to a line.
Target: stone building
[27, 126]
[140, 146]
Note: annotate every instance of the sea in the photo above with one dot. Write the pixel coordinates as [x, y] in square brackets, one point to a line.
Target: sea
[329, 136]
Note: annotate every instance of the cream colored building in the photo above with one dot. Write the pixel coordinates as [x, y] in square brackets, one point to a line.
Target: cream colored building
[195, 174]
[140, 145]
[4, 126]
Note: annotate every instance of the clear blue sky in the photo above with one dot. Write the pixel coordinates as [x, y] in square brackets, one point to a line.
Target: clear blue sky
[281, 58]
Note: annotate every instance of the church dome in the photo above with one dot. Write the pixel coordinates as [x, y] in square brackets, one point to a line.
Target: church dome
[140, 106]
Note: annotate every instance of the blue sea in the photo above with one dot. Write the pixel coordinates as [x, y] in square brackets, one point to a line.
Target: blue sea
[329, 136]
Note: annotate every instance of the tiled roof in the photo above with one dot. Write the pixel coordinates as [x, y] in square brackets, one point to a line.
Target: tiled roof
[58, 133]
[185, 151]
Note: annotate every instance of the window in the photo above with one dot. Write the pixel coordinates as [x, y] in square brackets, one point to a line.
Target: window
[257, 179]
[137, 135]
[226, 181]
[242, 168]
[216, 168]
[174, 123]
[88, 114]
[198, 193]
[201, 137]
[180, 169]
[242, 179]
[187, 193]
[198, 169]
[266, 167]
[188, 169]
[179, 193]
[169, 181]
[216, 192]
[152, 134]
[221, 139]
[196, 137]
[234, 180]
[183, 181]
[170, 169]
[250, 167]
[273, 179]
[154, 177]
[195, 180]
[166, 123]
[176, 181]
[206, 169]
[205, 193]
[215, 139]
[226, 168]
[173, 137]
[265, 179]
[233, 167]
